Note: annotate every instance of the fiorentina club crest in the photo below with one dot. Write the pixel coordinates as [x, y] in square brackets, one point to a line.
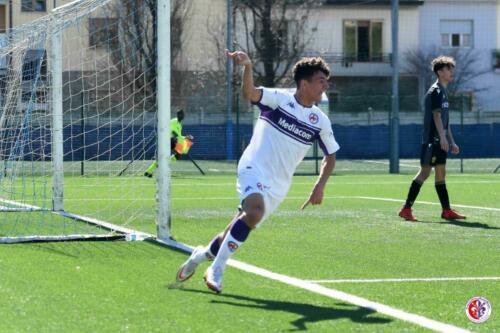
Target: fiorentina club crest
[313, 118]
[232, 246]
[478, 309]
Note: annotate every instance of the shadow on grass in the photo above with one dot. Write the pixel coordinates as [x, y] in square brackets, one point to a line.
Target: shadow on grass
[464, 224]
[308, 313]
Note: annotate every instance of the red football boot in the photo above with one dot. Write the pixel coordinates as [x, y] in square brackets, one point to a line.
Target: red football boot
[407, 215]
[450, 215]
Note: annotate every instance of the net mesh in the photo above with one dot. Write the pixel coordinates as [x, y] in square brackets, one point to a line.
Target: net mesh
[109, 119]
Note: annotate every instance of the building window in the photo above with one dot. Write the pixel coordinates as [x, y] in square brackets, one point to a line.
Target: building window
[33, 5]
[34, 65]
[363, 40]
[456, 33]
[103, 32]
[496, 59]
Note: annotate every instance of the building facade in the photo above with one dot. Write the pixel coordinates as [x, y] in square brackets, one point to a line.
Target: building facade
[469, 30]
[353, 36]
[356, 39]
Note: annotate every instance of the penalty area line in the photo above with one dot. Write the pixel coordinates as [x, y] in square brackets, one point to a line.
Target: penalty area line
[335, 294]
[434, 279]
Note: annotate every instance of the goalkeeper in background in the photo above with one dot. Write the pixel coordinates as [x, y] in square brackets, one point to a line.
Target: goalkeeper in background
[179, 144]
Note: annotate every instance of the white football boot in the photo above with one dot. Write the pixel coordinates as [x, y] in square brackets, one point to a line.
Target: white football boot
[189, 267]
[213, 278]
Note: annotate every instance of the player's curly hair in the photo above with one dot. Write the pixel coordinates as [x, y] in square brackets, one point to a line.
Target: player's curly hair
[305, 68]
[442, 62]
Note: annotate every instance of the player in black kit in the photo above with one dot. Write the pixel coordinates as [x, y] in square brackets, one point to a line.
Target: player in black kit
[437, 139]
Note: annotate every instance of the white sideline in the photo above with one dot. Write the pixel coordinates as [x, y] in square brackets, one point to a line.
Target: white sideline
[389, 183]
[435, 279]
[344, 197]
[336, 294]
[387, 163]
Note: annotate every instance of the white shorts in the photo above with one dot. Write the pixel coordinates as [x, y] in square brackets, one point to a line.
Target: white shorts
[249, 182]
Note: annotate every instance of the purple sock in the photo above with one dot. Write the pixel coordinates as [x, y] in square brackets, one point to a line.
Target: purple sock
[238, 233]
[215, 245]
[240, 230]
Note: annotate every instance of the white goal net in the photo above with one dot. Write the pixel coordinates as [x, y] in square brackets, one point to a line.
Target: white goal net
[78, 123]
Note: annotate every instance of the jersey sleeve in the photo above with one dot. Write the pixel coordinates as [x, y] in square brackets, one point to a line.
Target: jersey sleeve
[176, 128]
[326, 139]
[436, 98]
[269, 99]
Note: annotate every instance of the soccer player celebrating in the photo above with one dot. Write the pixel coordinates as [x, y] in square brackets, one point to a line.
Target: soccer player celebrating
[436, 141]
[287, 127]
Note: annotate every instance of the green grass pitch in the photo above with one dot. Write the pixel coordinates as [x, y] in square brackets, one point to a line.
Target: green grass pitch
[122, 286]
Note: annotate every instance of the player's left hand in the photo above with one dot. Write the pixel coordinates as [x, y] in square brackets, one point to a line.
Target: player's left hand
[455, 149]
[190, 137]
[315, 198]
[239, 57]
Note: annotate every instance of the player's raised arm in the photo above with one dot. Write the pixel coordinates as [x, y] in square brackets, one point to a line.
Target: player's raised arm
[247, 87]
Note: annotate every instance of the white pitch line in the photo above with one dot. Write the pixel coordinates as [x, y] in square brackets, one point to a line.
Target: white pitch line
[389, 183]
[387, 163]
[342, 197]
[422, 202]
[352, 299]
[436, 279]
[332, 293]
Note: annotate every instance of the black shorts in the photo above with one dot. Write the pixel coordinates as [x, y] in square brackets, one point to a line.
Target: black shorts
[173, 142]
[432, 154]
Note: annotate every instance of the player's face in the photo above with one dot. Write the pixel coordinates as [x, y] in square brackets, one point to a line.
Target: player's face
[447, 74]
[316, 86]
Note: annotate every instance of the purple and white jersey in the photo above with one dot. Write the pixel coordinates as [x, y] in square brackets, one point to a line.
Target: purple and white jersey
[281, 138]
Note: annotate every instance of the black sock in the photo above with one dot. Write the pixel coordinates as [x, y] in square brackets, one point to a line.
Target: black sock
[412, 193]
[443, 195]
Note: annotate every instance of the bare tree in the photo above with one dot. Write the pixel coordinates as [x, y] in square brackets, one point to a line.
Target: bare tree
[469, 67]
[134, 55]
[273, 35]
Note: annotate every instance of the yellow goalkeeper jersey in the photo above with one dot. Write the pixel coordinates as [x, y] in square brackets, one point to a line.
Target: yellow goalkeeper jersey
[176, 128]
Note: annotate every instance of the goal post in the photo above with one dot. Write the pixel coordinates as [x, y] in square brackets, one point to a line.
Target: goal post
[83, 94]
[163, 96]
[57, 121]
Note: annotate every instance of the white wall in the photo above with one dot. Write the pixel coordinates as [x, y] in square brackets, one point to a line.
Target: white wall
[484, 15]
[498, 24]
[329, 21]
[206, 22]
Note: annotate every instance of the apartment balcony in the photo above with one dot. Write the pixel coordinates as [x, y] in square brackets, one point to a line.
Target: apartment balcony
[360, 64]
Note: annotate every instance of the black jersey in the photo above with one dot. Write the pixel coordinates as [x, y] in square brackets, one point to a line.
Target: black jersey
[436, 98]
